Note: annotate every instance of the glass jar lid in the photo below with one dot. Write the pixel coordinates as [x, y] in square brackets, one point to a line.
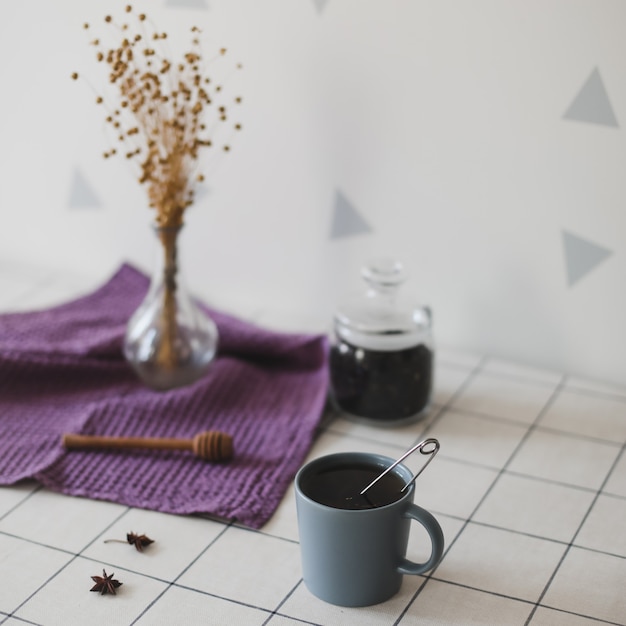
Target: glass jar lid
[383, 318]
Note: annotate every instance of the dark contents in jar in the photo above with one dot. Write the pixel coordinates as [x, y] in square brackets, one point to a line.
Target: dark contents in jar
[380, 385]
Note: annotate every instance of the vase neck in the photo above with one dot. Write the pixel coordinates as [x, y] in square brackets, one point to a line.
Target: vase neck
[167, 263]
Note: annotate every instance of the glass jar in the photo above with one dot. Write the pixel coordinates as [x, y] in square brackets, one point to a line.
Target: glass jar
[381, 359]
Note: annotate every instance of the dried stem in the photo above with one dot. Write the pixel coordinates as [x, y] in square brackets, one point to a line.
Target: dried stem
[167, 355]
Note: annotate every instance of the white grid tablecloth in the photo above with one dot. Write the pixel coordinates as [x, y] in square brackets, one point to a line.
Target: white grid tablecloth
[529, 487]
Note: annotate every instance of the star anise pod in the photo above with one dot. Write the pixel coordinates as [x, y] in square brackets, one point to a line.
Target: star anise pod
[105, 584]
[139, 541]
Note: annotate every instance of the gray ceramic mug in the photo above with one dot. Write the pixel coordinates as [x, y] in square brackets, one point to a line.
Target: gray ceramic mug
[358, 557]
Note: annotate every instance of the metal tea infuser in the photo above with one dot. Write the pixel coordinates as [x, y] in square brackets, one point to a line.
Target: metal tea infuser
[422, 446]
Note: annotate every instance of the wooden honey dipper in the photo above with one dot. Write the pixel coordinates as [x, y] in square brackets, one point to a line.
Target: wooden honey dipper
[211, 445]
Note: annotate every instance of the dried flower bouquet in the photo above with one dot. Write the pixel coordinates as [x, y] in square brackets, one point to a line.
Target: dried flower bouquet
[167, 113]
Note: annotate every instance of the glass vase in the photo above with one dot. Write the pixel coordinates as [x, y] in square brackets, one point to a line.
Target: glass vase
[170, 342]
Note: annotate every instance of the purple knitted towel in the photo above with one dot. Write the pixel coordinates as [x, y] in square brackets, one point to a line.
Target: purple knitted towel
[62, 370]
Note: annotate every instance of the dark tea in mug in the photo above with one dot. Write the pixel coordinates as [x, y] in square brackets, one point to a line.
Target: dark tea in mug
[340, 486]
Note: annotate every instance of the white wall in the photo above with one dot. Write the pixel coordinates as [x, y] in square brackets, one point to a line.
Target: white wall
[481, 142]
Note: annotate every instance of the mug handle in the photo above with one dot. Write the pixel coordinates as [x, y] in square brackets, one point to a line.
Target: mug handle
[436, 536]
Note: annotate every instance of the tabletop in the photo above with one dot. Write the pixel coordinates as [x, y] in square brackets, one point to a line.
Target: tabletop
[529, 487]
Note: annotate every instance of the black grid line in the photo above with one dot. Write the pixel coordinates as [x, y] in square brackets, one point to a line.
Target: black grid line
[71, 560]
[571, 543]
[520, 444]
[198, 556]
[530, 603]
[29, 495]
[282, 602]
[19, 619]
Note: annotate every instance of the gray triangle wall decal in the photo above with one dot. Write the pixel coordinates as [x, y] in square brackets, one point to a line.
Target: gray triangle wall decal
[592, 103]
[347, 221]
[82, 195]
[187, 4]
[581, 256]
[320, 5]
